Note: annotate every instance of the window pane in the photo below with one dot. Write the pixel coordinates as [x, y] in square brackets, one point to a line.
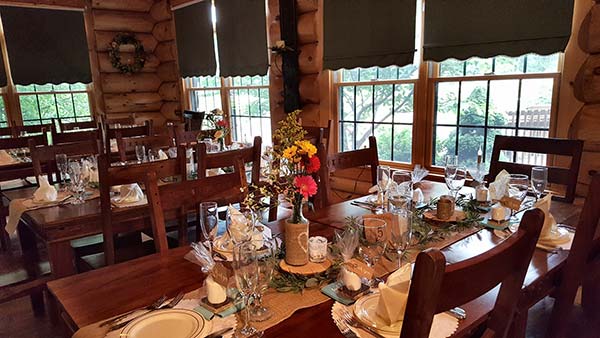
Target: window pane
[368, 74]
[363, 131]
[470, 140]
[349, 75]
[402, 143]
[452, 67]
[383, 133]
[205, 100]
[43, 88]
[542, 63]
[509, 65]
[491, 135]
[447, 102]
[504, 97]
[65, 105]
[64, 87]
[82, 105]
[347, 103]
[29, 107]
[347, 136]
[3, 113]
[478, 66]
[377, 73]
[383, 103]
[249, 109]
[78, 86]
[445, 143]
[404, 103]
[473, 103]
[364, 103]
[536, 101]
[24, 89]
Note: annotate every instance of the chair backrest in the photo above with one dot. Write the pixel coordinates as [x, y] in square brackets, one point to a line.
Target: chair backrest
[31, 129]
[22, 142]
[7, 131]
[177, 200]
[437, 287]
[345, 160]
[74, 135]
[112, 132]
[126, 145]
[64, 126]
[43, 157]
[193, 120]
[550, 146]
[226, 158]
[126, 120]
[318, 135]
[135, 173]
[182, 136]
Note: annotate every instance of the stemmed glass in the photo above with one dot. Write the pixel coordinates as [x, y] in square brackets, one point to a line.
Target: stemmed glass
[209, 222]
[266, 250]
[245, 268]
[455, 178]
[539, 180]
[80, 176]
[62, 165]
[383, 182]
[372, 240]
[244, 226]
[140, 153]
[518, 184]
[401, 232]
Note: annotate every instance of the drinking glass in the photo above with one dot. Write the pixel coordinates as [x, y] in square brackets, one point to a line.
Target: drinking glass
[240, 227]
[245, 268]
[140, 153]
[152, 155]
[478, 173]
[372, 240]
[539, 180]
[403, 192]
[518, 184]
[80, 176]
[401, 232]
[266, 251]
[209, 221]
[383, 182]
[61, 164]
[451, 161]
[455, 179]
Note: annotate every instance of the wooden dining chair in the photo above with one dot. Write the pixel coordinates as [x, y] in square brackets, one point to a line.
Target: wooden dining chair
[437, 287]
[29, 129]
[177, 200]
[224, 159]
[114, 132]
[74, 135]
[344, 160]
[43, 157]
[127, 145]
[183, 136]
[123, 120]
[66, 126]
[550, 146]
[318, 135]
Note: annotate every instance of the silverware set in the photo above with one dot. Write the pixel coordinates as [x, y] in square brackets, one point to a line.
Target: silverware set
[350, 320]
[169, 305]
[150, 307]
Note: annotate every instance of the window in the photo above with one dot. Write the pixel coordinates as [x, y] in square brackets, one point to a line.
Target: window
[246, 101]
[41, 103]
[477, 99]
[380, 102]
[3, 119]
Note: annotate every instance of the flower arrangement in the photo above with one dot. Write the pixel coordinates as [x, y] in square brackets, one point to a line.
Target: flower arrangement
[292, 161]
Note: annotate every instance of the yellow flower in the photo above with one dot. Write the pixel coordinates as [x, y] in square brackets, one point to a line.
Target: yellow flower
[290, 152]
[219, 134]
[307, 148]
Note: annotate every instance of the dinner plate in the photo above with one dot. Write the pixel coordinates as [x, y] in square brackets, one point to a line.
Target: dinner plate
[365, 311]
[172, 323]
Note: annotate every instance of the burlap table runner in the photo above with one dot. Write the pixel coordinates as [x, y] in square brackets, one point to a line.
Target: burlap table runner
[7, 159]
[283, 305]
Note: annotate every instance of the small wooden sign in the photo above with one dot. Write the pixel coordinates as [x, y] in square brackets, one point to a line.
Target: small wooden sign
[221, 274]
[511, 203]
[359, 268]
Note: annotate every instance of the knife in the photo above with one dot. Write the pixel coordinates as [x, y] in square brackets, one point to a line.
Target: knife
[219, 333]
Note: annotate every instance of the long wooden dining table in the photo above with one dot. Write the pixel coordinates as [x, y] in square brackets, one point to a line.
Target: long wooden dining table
[88, 298]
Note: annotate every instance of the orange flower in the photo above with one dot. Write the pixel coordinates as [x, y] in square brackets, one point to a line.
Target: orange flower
[306, 185]
[313, 165]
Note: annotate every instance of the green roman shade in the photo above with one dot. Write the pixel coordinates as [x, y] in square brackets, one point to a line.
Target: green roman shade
[195, 42]
[461, 29]
[46, 45]
[366, 33]
[242, 37]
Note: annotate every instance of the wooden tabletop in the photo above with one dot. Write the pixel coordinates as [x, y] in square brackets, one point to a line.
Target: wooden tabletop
[97, 295]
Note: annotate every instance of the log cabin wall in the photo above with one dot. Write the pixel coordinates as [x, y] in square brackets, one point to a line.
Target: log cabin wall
[154, 92]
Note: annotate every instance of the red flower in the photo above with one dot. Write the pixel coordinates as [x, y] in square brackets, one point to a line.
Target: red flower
[313, 165]
[222, 123]
[306, 185]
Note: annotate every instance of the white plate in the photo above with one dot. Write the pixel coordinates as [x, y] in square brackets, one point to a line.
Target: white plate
[172, 323]
[364, 309]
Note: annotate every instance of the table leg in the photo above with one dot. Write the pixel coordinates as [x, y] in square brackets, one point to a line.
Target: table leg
[31, 258]
[61, 257]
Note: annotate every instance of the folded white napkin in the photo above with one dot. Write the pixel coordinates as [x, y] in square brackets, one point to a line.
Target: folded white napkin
[549, 222]
[350, 279]
[499, 187]
[130, 193]
[162, 155]
[393, 295]
[419, 173]
[46, 192]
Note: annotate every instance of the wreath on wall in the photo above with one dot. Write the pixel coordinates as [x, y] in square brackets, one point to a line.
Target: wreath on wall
[114, 52]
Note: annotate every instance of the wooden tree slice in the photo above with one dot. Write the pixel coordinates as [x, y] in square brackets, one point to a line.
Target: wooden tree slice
[586, 86]
[309, 269]
[432, 216]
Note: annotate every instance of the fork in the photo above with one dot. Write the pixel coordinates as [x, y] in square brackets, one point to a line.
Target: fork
[150, 307]
[170, 305]
[349, 319]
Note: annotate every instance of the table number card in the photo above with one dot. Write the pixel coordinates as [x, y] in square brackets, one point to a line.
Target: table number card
[359, 268]
[221, 274]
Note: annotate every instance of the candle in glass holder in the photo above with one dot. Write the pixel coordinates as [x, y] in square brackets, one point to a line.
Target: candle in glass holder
[317, 249]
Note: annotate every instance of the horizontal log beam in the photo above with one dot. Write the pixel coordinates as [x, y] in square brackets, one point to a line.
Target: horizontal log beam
[106, 66]
[125, 83]
[132, 102]
[124, 5]
[104, 38]
[51, 4]
[118, 21]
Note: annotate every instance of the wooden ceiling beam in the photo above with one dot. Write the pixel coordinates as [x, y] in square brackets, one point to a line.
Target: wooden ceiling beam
[51, 4]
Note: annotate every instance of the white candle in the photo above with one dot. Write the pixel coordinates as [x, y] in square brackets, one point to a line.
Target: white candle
[217, 293]
[351, 280]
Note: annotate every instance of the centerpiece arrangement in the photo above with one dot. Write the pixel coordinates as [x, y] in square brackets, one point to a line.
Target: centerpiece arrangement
[219, 123]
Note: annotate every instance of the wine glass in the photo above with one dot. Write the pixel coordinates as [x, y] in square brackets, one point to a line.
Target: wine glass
[140, 153]
[245, 268]
[372, 240]
[401, 196]
[61, 164]
[152, 155]
[383, 182]
[478, 173]
[518, 184]
[455, 179]
[539, 180]
[240, 227]
[209, 222]
[266, 251]
[451, 161]
[80, 176]
[401, 232]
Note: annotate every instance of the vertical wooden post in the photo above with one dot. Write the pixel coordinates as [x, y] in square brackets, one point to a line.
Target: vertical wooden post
[290, 67]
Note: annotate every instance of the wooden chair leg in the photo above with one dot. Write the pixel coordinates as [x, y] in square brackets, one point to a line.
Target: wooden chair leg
[518, 328]
[561, 311]
[37, 303]
[53, 312]
[590, 299]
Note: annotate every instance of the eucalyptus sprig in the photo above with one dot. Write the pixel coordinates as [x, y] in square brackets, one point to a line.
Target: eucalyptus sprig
[284, 281]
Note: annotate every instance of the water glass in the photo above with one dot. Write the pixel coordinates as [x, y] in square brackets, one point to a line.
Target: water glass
[518, 184]
[372, 240]
[61, 164]
[209, 221]
[80, 175]
[400, 232]
[383, 182]
[240, 227]
[539, 180]
[455, 179]
[152, 155]
[266, 251]
[245, 268]
[140, 153]
[451, 161]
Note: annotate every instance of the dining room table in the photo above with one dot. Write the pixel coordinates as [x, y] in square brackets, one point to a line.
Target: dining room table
[85, 300]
